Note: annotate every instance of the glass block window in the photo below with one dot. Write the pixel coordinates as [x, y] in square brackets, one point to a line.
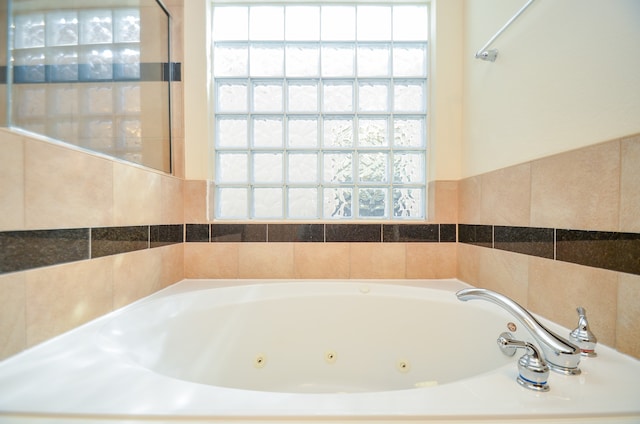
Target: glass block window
[320, 111]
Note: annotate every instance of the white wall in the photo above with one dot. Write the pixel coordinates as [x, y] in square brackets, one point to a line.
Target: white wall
[567, 76]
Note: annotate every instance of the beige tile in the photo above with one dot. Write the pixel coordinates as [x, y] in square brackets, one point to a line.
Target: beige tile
[321, 260]
[266, 260]
[469, 199]
[504, 272]
[195, 201]
[630, 185]
[211, 260]
[578, 189]
[628, 319]
[177, 153]
[506, 196]
[62, 297]
[378, 260]
[66, 188]
[443, 202]
[172, 264]
[431, 260]
[557, 288]
[13, 337]
[469, 258]
[137, 195]
[11, 181]
[136, 275]
[172, 199]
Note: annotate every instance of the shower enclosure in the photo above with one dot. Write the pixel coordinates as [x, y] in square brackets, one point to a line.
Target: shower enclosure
[95, 75]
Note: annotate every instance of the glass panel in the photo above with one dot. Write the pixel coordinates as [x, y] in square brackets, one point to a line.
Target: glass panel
[373, 132]
[98, 100]
[338, 132]
[337, 96]
[303, 203]
[266, 60]
[266, 22]
[409, 132]
[408, 168]
[232, 97]
[267, 202]
[408, 203]
[338, 168]
[303, 168]
[373, 167]
[232, 168]
[230, 23]
[302, 97]
[409, 97]
[372, 202]
[373, 97]
[373, 60]
[410, 61]
[231, 132]
[338, 23]
[338, 60]
[128, 63]
[127, 25]
[410, 23]
[230, 60]
[374, 22]
[267, 167]
[267, 132]
[97, 63]
[267, 96]
[302, 23]
[303, 60]
[232, 202]
[303, 132]
[29, 66]
[337, 202]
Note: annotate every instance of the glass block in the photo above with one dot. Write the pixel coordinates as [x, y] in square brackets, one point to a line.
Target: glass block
[267, 168]
[409, 132]
[302, 60]
[409, 97]
[230, 23]
[127, 63]
[302, 97]
[267, 202]
[302, 168]
[302, 132]
[337, 96]
[131, 131]
[373, 167]
[408, 203]
[266, 60]
[373, 97]
[266, 22]
[337, 202]
[267, 132]
[29, 31]
[338, 23]
[410, 23]
[408, 168]
[62, 28]
[230, 60]
[338, 132]
[63, 100]
[232, 96]
[374, 60]
[231, 168]
[98, 100]
[302, 203]
[33, 102]
[372, 202]
[100, 135]
[338, 167]
[302, 23]
[29, 66]
[127, 25]
[96, 26]
[128, 100]
[410, 60]
[231, 132]
[232, 202]
[373, 132]
[67, 130]
[63, 64]
[338, 60]
[374, 23]
[97, 64]
[267, 96]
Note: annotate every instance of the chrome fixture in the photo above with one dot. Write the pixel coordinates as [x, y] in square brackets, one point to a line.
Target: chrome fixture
[492, 54]
[533, 371]
[561, 355]
[582, 336]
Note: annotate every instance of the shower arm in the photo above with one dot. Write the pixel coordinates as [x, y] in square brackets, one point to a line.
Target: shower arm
[492, 54]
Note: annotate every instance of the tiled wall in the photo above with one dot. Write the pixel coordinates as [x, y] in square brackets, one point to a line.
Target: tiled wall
[561, 232]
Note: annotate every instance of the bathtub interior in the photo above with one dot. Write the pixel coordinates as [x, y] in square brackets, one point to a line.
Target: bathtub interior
[311, 338]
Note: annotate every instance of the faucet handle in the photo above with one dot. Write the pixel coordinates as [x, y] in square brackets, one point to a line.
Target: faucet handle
[533, 371]
[582, 335]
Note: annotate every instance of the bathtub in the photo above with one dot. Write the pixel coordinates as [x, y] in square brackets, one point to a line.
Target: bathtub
[304, 351]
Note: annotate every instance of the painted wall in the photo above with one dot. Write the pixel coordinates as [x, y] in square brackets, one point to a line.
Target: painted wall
[566, 77]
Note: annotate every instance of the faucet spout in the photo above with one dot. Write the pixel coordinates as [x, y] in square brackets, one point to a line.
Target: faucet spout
[561, 355]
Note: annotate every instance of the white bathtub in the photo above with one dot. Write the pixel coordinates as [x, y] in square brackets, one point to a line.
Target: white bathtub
[251, 351]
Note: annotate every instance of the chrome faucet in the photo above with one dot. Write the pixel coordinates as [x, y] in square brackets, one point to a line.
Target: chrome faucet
[561, 355]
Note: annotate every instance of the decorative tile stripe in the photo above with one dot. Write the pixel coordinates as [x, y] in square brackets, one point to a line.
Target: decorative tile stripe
[526, 240]
[113, 240]
[479, 235]
[163, 235]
